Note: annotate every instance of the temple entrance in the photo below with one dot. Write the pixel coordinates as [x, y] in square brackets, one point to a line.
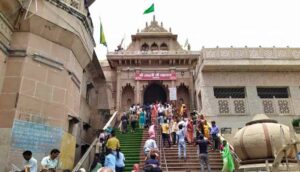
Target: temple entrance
[154, 92]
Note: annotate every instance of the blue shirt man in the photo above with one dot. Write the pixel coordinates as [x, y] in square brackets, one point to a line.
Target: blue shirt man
[110, 160]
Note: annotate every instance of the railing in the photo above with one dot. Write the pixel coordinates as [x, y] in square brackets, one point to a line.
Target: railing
[161, 149]
[124, 52]
[88, 156]
[14, 168]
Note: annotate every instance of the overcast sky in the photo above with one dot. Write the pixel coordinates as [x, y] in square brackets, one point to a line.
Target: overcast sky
[205, 23]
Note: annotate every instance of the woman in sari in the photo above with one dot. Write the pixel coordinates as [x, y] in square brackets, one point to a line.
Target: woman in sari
[228, 163]
[153, 113]
[190, 131]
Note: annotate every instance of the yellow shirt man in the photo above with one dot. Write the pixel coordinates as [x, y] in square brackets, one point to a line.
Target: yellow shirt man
[165, 128]
[113, 143]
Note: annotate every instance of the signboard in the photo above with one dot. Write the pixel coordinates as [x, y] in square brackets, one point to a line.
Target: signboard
[35, 137]
[173, 93]
[155, 76]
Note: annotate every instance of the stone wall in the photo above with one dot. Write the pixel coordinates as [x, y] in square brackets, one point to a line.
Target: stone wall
[43, 87]
[249, 80]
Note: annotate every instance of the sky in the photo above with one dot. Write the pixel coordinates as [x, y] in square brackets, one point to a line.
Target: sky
[207, 23]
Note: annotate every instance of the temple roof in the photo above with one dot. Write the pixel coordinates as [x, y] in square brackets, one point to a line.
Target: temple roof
[154, 27]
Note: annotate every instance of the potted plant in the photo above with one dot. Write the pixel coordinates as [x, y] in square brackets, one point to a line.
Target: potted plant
[296, 125]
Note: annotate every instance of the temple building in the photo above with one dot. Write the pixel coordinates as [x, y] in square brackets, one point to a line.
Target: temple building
[233, 84]
[153, 68]
[228, 85]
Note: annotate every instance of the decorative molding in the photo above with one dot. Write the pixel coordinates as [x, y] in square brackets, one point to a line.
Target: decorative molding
[74, 78]
[12, 52]
[5, 28]
[47, 61]
[251, 53]
[75, 12]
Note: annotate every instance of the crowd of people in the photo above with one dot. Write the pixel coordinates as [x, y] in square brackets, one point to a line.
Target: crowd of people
[176, 126]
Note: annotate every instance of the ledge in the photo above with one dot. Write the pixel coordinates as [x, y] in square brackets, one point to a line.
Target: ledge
[48, 61]
[73, 11]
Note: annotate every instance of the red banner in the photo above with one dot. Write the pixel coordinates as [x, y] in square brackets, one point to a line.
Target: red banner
[155, 76]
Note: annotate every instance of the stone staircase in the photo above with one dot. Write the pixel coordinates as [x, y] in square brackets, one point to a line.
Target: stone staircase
[130, 146]
[192, 163]
[171, 162]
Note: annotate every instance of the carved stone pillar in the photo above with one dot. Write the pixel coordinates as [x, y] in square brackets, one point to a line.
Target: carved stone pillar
[119, 91]
[137, 92]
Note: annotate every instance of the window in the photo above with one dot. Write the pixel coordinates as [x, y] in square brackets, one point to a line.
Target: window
[154, 47]
[267, 92]
[145, 47]
[164, 47]
[229, 92]
[89, 87]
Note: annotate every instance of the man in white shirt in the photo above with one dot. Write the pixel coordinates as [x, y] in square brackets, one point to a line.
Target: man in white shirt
[149, 145]
[51, 162]
[30, 163]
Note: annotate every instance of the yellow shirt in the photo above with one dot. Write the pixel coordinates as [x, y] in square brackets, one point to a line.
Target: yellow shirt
[113, 143]
[165, 128]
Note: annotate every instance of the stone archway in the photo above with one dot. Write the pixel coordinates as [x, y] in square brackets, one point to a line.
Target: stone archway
[127, 96]
[154, 92]
[183, 96]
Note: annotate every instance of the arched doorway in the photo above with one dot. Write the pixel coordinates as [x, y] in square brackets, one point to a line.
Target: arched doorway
[154, 92]
[183, 95]
[127, 97]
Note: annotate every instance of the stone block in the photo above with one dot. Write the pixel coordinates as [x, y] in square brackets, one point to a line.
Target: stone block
[43, 91]
[39, 43]
[6, 119]
[70, 100]
[59, 95]
[29, 104]
[11, 84]
[60, 53]
[28, 86]
[34, 71]
[14, 68]
[57, 79]
[54, 110]
[8, 101]
[20, 40]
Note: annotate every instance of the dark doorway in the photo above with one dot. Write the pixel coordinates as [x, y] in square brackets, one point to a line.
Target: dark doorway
[154, 92]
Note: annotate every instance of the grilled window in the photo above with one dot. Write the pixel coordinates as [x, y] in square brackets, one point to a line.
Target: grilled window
[267, 92]
[229, 92]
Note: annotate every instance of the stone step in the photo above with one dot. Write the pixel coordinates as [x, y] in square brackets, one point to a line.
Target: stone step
[192, 160]
[189, 168]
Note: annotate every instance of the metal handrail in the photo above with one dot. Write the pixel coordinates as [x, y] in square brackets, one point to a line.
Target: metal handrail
[110, 123]
[163, 151]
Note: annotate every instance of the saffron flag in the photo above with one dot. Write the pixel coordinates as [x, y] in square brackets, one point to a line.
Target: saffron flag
[150, 9]
[102, 36]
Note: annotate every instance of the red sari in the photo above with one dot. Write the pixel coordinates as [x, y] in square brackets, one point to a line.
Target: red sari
[153, 114]
[190, 131]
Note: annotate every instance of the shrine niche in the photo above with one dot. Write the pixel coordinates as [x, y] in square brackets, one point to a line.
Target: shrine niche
[183, 95]
[127, 96]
